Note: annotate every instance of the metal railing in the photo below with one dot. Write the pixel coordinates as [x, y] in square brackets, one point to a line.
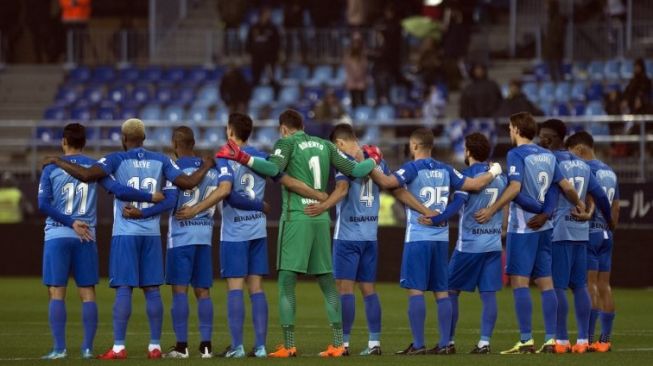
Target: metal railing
[18, 137]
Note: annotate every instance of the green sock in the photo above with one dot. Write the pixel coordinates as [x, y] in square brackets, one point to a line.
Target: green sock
[332, 303]
[287, 282]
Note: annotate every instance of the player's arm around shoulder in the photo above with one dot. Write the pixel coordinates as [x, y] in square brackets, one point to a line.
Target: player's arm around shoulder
[479, 182]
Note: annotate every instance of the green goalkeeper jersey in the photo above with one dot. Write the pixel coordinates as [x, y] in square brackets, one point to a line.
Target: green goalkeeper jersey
[308, 159]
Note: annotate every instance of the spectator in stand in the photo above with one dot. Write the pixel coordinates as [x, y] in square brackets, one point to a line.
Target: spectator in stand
[355, 63]
[293, 22]
[356, 13]
[554, 41]
[429, 65]
[263, 46]
[328, 109]
[482, 97]
[235, 90]
[232, 14]
[612, 103]
[434, 104]
[638, 86]
[75, 15]
[390, 30]
[516, 102]
[456, 36]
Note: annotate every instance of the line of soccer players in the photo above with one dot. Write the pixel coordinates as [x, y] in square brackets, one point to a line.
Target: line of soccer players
[549, 226]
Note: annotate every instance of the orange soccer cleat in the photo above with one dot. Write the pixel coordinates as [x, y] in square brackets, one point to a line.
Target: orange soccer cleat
[283, 352]
[333, 351]
[111, 355]
[580, 348]
[601, 347]
[562, 348]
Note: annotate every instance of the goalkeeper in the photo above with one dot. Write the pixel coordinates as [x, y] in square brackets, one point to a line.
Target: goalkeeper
[304, 242]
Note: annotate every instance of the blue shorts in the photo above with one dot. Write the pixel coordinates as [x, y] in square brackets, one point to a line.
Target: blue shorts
[243, 258]
[190, 265]
[529, 254]
[65, 256]
[470, 270]
[355, 260]
[569, 265]
[599, 252]
[135, 261]
[424, 266]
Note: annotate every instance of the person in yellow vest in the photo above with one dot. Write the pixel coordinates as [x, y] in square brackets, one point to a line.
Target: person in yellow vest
[75, 15]
[11, 200]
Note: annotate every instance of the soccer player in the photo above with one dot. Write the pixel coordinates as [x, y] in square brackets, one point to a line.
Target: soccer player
[532, 170]
[304, 241]
[570, 237]
[136, 258]
[355, 248]
[599, 250]
[70, 238]
[424, 262]
[243, 239]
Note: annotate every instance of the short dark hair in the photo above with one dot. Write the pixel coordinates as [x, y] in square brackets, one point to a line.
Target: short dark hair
[241, 124]
[557, 126]
[580, 138]
[291, 119]
[478, 146]
[525, 124]
[424, 136]
[184, 136]
[343, 131]
[75, 135]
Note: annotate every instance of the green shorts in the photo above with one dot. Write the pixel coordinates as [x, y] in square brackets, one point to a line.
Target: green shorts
[304, 247]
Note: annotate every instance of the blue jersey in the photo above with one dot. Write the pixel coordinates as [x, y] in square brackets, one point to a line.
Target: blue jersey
[577, 172]
[472, 236]
[237, 224]
[358, 212]
[69, 196]
[139, 169]
[536, 169]
[607, 179]
[199, 229]
[429, 181]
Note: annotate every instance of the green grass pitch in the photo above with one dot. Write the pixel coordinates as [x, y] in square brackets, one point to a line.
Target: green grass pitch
[24, 332]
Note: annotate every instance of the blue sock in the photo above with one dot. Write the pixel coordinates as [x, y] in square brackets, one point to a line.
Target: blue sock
[454, 315]
[444, 320]
[259, 318]
[348, 302]
[89, 321]
[594, 315]
[179, 312]
[154, 310]
[235, 316]
[550, 313]
[489, 314]
[606, 326]
[373, 315]
[524, 311]
[205, 318]
[561, 316]
[416, 318]
[122, 310]
[57, 317]
[583, 305]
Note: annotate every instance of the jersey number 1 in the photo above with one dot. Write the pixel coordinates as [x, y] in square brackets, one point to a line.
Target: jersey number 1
[314, 166]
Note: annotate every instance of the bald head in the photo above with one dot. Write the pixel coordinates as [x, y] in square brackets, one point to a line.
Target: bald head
[133, 130]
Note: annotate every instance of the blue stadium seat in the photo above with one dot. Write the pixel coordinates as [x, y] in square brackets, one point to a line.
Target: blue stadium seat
[578, 109]
[208, 95]
[612, 70]
[561, 109]
[215, 74]
[321, 75]
[141, 94]
[196, 75]
[505, 89]
[531, 91]
[595, 70]
[103, 74]
[185, 95]
[164, 94]
[48, 134]
[595, 92]
[547, 91]
[267, 136]
[541, 71]
[162, 135]
[198, 114]
[385, 113]
[117, 94]
[253, 111]
[363, 114]
[67, 95]
[105, 113]
[289, 95]
[54, 113]
[129, 74]
[567, 68]
[594, 108]
[151, 74]
[578, 91]
[339, 77]
[174, 75]
[93, 94]
[296, 74]
[214, 136]
[612, 87]
[546, 107]
[579, 71]
[313, 94]
[151, 112]
[372, 135]
[649, 68]
[563, 92]
[173, 113]
[80, 74]
[398, 94]
[626, 71]
[80, 114]
[127, 112]
[262, 95]
[222, 116]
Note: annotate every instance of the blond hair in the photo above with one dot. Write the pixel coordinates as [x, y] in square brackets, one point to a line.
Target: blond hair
[133, 128]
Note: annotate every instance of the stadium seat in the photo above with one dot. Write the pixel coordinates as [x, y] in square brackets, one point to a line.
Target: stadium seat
[208, 96]
[151, 74]
[67, 95]
[547, 91]
[595, 92]
[296, 74]
[54, 113]
[541, 71]
[595, 70]
[127, 112]
[49, 135]
[185, 95]
[594, 108]
[80, 74]
[174, 75]
[222, 116]
[578, 109]
[173, 113]
[321, 75]
[339, 78]
[161, 135]
[289, 95]
[579, 71]
[649, 68]
[196, 75]
[626, 70]
[165, 94]
[198, 114]
[103, 74]
[151, 112]
[563, 92]
[267, 136]
[612, 70]
[117, 94]
[546, 107]
[141, 94]
[80, 114]
[105, 113]
[262, 95]
[214, 136]
[578, 91]
[93, 94]
[363, 114]
[129, 74]
[313, 94]
[561, 109]
[385, 113]
[531, 91]
[372, 135]
[398, 94]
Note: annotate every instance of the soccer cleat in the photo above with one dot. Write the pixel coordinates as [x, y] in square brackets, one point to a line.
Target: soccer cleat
[580, 348]
[600, 347]
[206, 350]
[485, 350]
[238, 352]
[412, 351]
[154, 354]
[548, 347]
[175, 352]
[224, 353]
[446, 350]
[86, 354]
[283, 352]
[333, 351]
[521, 348]
[55, 355]
[110, 355]
[374, 351]
[560, 348]
[346, 353]
[258, 352]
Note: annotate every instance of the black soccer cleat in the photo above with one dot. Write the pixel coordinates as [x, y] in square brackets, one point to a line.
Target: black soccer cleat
[447, 350]
[485, 350]
[412, 351]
